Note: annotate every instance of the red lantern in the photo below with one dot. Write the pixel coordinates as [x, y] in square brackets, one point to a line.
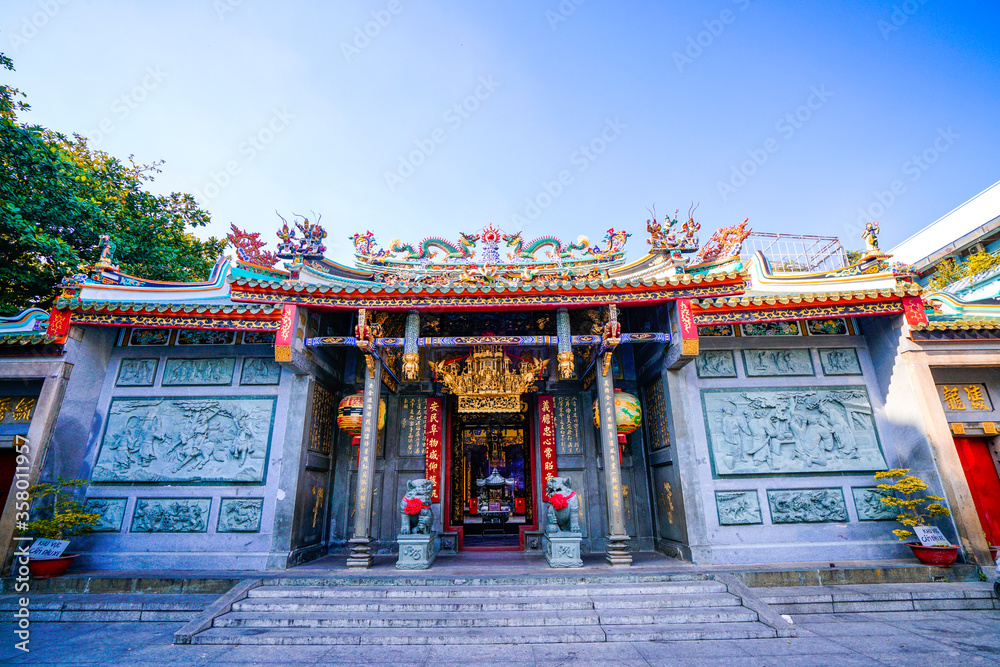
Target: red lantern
[350, 412]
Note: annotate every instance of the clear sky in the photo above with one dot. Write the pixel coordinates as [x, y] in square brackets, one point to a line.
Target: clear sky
[414, 118]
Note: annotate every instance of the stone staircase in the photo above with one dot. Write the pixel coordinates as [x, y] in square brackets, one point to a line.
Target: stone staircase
[456, 612]
[109, 607]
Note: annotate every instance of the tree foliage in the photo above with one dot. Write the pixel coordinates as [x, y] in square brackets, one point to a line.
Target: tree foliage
[913, 511]
[63, 517]
[58, 195]
[951, 270]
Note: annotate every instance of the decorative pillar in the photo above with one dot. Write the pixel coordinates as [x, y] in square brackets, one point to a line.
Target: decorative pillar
[565, 354]
[618, 539]
[411, 357]
[361, 543]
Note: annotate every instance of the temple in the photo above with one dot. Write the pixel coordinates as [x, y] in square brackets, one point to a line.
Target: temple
[700, 400]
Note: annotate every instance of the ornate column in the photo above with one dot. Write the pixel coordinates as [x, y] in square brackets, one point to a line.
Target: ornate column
[618, 540]
[565, 354]
[411, 356]
[361, 549]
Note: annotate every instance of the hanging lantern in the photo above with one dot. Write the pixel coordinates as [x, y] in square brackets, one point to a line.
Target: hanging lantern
[628, 414]
[350, 412]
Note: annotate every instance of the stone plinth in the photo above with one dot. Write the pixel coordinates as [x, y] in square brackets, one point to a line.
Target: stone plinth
[416, 552]
[562, 549]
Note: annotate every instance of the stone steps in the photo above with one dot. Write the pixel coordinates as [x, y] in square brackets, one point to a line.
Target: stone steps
[110, 607]
[470, 614]
[880, 598]
[430, 619]
[522, 635]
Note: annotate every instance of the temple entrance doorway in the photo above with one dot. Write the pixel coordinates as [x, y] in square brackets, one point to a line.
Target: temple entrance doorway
[491, 481]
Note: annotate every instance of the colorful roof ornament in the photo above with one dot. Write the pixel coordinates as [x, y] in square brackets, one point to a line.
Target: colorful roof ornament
[726, 242]
[310, 246]
[425, 251]
[249, 247]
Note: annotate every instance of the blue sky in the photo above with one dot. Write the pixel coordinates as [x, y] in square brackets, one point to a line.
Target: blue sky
[412, 118]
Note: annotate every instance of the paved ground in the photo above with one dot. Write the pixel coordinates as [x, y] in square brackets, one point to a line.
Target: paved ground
[842, 640]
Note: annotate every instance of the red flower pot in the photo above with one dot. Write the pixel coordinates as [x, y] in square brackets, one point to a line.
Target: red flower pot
[938, 556]
[43, 568]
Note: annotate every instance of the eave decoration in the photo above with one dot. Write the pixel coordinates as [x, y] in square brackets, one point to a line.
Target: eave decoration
[487, 383]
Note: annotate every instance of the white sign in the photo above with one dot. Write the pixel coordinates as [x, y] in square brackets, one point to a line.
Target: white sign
[930, 536]
[43, 548]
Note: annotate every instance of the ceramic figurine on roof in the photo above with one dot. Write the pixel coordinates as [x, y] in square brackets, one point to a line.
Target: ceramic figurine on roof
[615, 248]
[249, 247]
[870, 237]
[665, 239]
[310, 246]
[726, 242]
[107, 259]
[557, 249]
[460, 251]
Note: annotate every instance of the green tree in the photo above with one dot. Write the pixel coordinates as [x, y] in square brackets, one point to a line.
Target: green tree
[57, 196]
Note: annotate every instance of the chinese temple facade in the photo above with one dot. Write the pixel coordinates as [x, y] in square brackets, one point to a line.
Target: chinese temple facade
[699, 404]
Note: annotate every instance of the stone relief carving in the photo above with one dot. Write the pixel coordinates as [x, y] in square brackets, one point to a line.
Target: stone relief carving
[171, 515]
[260, 370]
[205, 337]
[240, 515]
[807, 505]
[765, 363]
[715, 364]
[149, 337]
[771, 329]
[112, 511]
[738, 507]
[868, 502]
[791, 430]
[180, 372]
[840, 361]
[183, 440]
[136, 372]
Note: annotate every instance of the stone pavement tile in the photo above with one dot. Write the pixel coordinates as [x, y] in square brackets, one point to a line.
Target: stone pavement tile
[487, 654]
[791, 646]
[656, 651]
[269, 655]
[975, 615]
[854, 628]
[874, 646]
[171, 654]
[807, 619]
[933, 658]
[817, 659]
[889, 616]
[617, 653]
[373, 655]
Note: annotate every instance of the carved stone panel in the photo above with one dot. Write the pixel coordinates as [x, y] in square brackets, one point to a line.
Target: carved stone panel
[112, 511]
[240, 515]
[715, 364]
[260, 370]
[840, 361]
[136, 372]
[738, 508]
[768, 363]
[807, 505]
[190, 372]
[171, 515]
[868, 502]
[771, 329]
[186, 440]
[791, 430]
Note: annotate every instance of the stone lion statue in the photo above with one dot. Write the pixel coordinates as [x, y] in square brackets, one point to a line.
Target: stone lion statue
[415, 508]
[563, 513]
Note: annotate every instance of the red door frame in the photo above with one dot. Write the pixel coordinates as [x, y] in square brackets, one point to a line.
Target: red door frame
[529, 479]
[984, 483]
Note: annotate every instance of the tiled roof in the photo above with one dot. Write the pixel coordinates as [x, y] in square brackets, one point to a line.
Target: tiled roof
[177, 308]
[787, 299]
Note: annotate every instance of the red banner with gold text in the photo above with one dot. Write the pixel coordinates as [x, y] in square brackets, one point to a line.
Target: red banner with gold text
[547, 437]
[432, 445]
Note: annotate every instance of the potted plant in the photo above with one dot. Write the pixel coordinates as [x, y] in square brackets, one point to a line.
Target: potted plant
[916, 511]
[61, 519]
